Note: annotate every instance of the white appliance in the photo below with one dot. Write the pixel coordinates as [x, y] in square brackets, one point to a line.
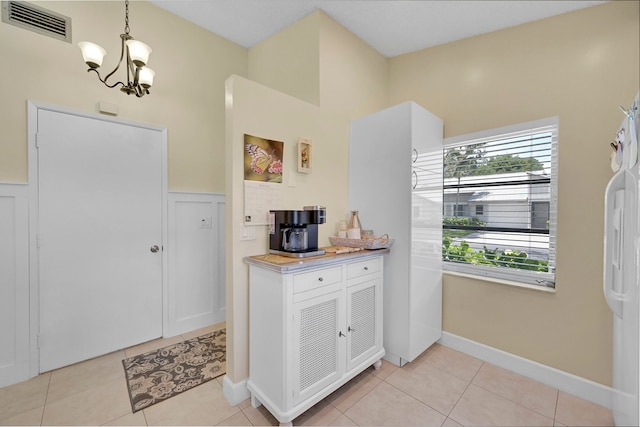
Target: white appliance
[621, 267]
[395, 182]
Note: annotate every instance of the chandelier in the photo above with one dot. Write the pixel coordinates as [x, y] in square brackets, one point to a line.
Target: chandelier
[139, 77]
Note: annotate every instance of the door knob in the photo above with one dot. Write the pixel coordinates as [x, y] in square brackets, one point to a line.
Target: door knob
[155, 248]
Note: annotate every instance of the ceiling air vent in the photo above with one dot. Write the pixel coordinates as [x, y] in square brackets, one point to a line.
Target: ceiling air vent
[38, 19]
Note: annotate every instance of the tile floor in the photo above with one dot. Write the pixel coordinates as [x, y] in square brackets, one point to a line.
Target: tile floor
[443, 387]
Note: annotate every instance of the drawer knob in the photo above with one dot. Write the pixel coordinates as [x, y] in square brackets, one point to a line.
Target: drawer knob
[366, 268]
[320, 279]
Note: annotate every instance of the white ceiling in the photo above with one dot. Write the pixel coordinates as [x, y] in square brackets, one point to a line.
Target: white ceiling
[392, 27]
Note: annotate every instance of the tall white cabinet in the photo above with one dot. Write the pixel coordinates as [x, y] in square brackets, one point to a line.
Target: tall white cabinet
[314, 325]
[395, 182]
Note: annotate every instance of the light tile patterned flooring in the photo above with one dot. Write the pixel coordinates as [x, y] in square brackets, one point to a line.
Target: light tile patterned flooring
[443, 387]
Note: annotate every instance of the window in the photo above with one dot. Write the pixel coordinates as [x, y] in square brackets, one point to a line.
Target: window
[507, 178]
[458, 210]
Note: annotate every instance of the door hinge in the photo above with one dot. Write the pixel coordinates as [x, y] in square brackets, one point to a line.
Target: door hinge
[38, 241]
[37, 140]
[39, 340]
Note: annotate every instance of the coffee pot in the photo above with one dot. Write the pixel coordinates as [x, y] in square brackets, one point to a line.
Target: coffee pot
[295, 233]
[295, 239]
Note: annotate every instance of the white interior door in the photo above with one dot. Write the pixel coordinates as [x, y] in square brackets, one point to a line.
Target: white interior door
[100, 186]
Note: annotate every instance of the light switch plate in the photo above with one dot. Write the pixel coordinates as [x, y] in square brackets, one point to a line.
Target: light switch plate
[247, 232]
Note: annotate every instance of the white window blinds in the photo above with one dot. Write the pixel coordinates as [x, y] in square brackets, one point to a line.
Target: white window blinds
[499, 203]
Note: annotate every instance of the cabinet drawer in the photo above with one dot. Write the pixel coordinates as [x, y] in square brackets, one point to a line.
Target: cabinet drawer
[314, 279]
[363, 268]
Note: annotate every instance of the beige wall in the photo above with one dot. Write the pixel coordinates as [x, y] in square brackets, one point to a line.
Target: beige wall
[353, 76]
[187, 97]
[289, 60]
[319, 61]
[350, 79]
[579, 66]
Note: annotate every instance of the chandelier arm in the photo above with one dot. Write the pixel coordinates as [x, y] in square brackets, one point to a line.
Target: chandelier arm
[131, 70]
[141, 91]
[105, 80]
[123, 37]
[135, 70]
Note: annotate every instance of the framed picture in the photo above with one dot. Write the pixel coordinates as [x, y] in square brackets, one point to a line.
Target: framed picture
[262, 159]
[305, 156]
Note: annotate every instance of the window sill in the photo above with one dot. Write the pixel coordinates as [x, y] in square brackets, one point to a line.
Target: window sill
[501, 281]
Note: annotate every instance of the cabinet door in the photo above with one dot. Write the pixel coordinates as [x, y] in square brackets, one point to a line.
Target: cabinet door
[318, 352]
[364, 321]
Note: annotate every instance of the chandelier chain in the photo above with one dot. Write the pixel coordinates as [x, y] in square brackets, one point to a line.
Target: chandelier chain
[126, 17]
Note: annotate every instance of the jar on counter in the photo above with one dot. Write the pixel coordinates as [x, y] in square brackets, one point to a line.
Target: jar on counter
[342, 229]
[355, 228]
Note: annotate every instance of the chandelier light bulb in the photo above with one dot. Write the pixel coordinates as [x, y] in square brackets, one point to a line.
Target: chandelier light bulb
[138, 52]
[92, 54]
[145, 78]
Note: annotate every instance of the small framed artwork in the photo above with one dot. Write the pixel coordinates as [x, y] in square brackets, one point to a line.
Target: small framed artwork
[305, 157]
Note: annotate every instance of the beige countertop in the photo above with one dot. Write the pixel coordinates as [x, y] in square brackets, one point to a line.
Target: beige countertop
[283, 264]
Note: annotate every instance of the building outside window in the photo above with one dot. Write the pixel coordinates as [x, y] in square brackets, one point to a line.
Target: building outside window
[499, 203]
[459, 210]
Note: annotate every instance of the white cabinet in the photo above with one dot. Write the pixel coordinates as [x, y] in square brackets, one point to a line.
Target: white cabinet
[395, 182]
[312, 328]
[364, 311]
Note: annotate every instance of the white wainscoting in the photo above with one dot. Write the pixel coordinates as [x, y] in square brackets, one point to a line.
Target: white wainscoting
[196, 257]
[14, 283]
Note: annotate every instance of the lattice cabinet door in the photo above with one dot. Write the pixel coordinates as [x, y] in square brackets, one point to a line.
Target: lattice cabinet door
[318, 350]
[363, 321]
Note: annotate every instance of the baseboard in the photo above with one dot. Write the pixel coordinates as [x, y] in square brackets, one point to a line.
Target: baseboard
[392, 358]
[564, 381]
[235, 393]
[196, 322]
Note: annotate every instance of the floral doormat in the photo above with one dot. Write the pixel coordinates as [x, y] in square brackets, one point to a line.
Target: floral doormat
[160, 374]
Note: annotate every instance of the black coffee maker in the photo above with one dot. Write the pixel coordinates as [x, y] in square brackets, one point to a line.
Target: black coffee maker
[295, 233]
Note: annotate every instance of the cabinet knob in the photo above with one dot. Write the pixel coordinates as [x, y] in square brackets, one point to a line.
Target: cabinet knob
[340, 334]
[320, 279]
[350, 329]
[366, 268]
